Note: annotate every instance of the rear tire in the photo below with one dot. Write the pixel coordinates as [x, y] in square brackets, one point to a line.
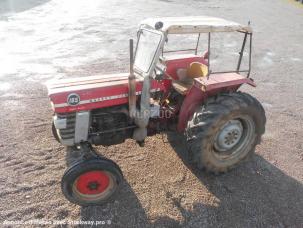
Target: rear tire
[225, 131]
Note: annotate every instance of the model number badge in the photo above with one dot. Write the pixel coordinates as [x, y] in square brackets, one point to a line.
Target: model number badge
[73, 99]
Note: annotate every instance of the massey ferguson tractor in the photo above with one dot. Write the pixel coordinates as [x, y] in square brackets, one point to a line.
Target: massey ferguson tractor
[164, 91]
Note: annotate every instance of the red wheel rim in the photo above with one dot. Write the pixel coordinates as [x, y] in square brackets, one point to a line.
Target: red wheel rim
[92, 182]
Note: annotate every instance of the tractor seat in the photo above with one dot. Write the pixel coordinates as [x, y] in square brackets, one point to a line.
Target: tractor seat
[186, 77]
[182, 87]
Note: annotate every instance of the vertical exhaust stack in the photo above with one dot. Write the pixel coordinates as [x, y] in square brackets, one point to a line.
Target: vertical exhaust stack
[131, 82]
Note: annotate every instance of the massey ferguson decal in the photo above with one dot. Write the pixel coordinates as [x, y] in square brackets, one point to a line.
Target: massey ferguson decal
[73, 99]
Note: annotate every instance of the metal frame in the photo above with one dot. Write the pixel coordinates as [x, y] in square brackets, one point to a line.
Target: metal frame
[196, 51]
[189, 49]
[240, 57]
[208, 49]
[246, 34]
[159, 47]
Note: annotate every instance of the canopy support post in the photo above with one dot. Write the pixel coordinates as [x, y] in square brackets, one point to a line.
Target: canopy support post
[241, 52]
[196, 51]
[250, 47]
[208, 55]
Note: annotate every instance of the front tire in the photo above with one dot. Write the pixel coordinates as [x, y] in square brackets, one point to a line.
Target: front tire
[225, 131]
[91, 182]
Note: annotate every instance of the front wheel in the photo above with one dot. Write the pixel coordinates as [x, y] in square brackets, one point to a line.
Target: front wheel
[225, 131]
[91, 182]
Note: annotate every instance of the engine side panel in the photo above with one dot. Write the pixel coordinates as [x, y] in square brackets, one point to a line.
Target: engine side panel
[110, 126]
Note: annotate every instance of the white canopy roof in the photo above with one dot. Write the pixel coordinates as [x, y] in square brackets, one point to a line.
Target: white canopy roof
[197, 24]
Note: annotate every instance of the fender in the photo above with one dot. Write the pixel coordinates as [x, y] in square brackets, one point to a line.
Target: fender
[194, 98]
[204, 88]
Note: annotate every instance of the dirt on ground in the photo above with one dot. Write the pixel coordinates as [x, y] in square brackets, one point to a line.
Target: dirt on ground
[53, 39]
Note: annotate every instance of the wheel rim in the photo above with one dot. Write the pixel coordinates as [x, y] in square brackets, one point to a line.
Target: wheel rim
[233, 137]
[229, 135]
[94, 185]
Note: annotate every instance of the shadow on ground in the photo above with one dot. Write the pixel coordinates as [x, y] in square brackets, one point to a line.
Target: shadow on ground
[256, 194]
[16, 6]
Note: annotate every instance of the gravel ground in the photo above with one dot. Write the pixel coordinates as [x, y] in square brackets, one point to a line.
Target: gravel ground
[44, 39]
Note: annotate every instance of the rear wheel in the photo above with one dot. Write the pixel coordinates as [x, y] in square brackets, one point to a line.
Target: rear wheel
[91, 182]
[225, 131]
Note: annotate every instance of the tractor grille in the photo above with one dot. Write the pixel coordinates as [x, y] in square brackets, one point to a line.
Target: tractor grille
[69, 132]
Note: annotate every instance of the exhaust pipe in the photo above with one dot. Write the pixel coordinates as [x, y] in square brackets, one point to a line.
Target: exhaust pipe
[140, 119]
[131, 82]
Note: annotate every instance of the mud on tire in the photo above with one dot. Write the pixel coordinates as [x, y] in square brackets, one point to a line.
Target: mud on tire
[225, 131]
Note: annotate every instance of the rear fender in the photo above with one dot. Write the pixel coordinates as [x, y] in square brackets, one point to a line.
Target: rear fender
[194, 98]
[197, 95]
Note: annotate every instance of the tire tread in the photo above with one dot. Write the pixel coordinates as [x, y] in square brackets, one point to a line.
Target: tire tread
[204, 120]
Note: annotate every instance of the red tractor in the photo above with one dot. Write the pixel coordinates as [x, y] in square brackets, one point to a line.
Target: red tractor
[163, 92]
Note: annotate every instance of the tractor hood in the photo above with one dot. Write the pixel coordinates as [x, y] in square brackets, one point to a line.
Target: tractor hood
[86, 93]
